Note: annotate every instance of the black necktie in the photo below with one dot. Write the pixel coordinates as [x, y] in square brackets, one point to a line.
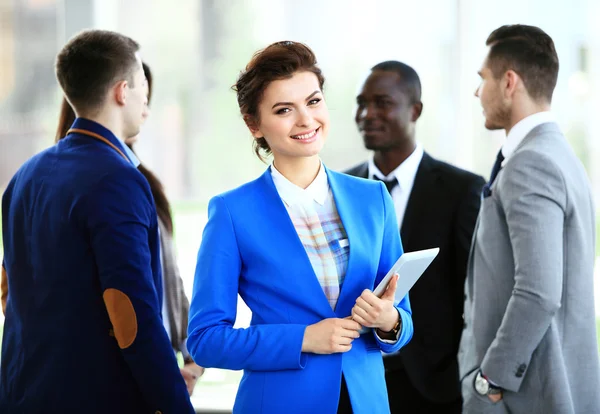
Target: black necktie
[487, 188]
[389, 184]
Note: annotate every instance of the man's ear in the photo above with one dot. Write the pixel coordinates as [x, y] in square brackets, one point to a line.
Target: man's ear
[510, 83]
[119, 92]
[252, 126]
[417, 109]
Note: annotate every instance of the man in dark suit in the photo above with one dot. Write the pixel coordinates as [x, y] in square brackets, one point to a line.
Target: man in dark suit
[437, 205]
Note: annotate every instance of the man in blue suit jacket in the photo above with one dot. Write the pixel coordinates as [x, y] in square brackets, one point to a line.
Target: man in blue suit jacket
[81, 272]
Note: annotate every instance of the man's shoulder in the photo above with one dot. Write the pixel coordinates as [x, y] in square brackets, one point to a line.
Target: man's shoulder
[453, 173]
[545, 140]
[31, 170]
[359, 170]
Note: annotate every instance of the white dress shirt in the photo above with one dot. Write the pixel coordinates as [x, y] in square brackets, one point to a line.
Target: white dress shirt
[520, 131]
[405, 174]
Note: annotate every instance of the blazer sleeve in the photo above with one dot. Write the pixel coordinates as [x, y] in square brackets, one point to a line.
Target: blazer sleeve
[532, 193]
[212, 340]
[120, 215]
[184, 312]
[185, 309]
[390, 252]
[178, 304]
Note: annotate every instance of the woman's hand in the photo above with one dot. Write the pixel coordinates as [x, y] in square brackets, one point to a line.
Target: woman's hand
[330, 336]
[373, 312]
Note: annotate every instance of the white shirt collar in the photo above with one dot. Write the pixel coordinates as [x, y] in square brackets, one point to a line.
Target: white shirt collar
[520, 131]
[291, 194]
[405, 173]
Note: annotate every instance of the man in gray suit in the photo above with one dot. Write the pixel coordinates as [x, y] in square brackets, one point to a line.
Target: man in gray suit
[529, 344]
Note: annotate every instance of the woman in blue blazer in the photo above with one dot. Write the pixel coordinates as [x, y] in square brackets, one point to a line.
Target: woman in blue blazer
[304, 247]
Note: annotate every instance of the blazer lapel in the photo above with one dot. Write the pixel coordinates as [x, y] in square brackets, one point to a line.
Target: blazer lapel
[284, 235]
[424, 181]
[348, 215]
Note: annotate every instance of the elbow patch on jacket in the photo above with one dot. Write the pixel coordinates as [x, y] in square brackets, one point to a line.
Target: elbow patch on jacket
[4, 289]
[122, 316]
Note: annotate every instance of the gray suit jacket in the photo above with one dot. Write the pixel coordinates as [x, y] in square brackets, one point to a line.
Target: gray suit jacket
[529, 301]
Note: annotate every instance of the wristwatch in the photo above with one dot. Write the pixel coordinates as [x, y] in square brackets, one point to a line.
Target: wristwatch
[396, 327]
[394, 333]
[483, 386]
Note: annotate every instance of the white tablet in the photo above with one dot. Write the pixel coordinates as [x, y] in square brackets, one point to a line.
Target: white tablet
[409, 267]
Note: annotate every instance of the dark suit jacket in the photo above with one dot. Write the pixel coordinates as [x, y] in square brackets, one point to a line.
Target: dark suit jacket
[441, 212]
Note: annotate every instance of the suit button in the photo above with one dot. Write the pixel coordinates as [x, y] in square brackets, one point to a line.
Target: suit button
[520, 370]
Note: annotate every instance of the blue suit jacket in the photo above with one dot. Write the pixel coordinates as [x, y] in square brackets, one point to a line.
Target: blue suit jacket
[251, 247]
[78, 219]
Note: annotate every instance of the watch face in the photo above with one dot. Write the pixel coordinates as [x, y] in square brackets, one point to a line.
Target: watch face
[481, 385]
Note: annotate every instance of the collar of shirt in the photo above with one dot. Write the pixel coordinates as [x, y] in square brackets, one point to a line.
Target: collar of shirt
[405, 173]
[132, 157]
[292, 194]
[520, 131]
[92, 126]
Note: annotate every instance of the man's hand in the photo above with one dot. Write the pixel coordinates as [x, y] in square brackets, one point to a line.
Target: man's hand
[191, 372]
[380, 313]
[330, 336]
[495, 397]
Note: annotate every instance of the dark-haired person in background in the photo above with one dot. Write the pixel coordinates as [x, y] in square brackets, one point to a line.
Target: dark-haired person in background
[529, 344]
[436, 205]
[81, 279]
[299, 249]
[175, 305]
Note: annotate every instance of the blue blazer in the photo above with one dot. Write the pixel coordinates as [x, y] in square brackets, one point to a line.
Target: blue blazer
[251, 247]
[78, 219]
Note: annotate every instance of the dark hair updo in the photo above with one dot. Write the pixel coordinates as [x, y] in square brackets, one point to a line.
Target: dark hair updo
[277, 61]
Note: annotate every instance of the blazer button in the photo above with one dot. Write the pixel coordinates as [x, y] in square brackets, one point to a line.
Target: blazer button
[520, 370]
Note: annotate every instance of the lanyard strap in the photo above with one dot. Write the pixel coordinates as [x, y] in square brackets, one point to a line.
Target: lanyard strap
[99, 137]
